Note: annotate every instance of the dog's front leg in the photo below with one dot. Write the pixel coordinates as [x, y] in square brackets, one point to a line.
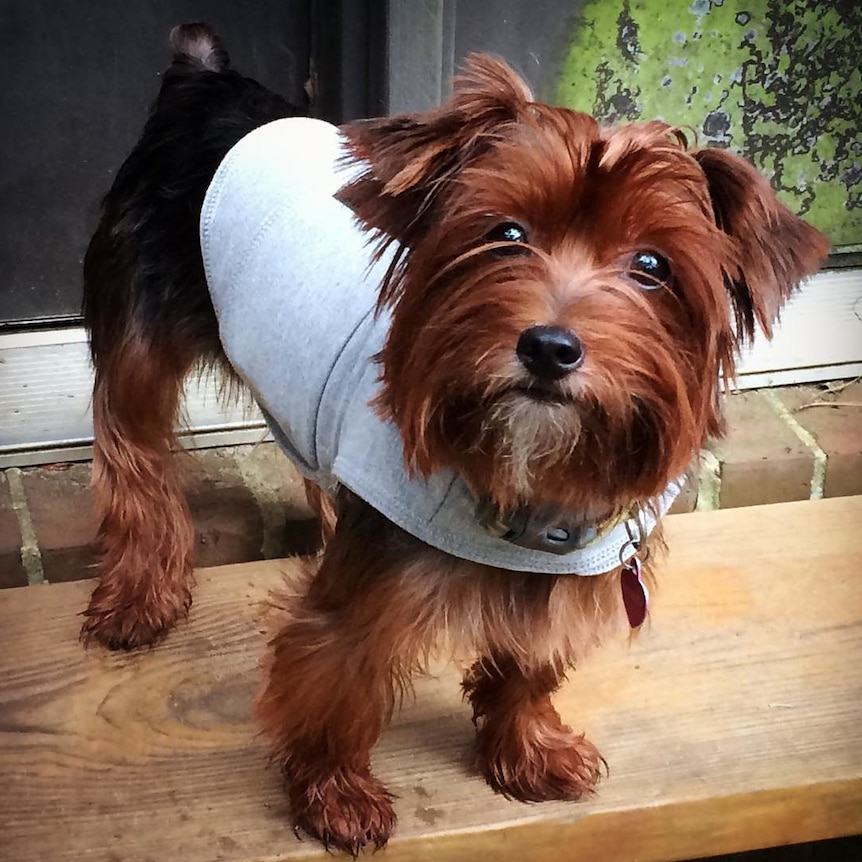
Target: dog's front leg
[336, 669]
[523, 749]
[325, 702]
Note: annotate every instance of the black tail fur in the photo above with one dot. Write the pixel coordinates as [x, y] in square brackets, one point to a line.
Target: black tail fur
[143, 272]
[198, 46]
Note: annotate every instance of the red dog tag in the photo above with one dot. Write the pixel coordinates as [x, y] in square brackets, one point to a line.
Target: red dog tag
[635, 593]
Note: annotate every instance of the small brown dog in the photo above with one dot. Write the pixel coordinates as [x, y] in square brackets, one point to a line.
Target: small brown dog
[558, 304]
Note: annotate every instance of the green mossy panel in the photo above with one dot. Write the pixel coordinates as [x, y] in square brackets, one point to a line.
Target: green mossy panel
[778, 80]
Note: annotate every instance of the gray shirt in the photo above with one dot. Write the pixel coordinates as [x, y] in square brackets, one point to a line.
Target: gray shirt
[294, 289]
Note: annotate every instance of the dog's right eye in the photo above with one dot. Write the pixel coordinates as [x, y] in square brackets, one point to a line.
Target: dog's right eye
[510, 233]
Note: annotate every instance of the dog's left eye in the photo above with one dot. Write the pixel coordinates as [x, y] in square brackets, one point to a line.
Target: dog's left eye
[510, 233]
[649, 270]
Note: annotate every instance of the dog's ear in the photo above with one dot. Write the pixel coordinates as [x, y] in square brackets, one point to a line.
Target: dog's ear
[775, 249]
[409, 158]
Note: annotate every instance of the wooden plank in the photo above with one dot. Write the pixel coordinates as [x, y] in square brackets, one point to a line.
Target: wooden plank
[734, 721]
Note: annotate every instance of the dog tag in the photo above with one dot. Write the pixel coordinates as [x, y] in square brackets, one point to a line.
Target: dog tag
[635, 593]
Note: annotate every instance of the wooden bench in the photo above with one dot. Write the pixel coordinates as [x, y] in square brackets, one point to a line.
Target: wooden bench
[733, 722]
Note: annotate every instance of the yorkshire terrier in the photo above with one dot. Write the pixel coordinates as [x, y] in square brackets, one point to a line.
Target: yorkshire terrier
[492, 336]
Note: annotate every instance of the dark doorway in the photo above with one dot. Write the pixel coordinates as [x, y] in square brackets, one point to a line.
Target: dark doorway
[77, 81]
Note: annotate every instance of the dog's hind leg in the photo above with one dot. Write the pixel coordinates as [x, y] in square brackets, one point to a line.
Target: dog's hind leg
[146, 536]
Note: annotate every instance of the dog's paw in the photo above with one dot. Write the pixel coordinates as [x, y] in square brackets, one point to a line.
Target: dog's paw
[346, 811]
[539, 764]
[128, 625]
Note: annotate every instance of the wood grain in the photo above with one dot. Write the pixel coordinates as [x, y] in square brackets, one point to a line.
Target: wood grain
[733, 722]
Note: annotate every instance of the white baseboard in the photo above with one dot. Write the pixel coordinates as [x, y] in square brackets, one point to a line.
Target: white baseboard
[46, 377]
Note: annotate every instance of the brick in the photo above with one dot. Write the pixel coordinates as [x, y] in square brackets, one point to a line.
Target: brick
[12, 572]
[275, 480]
[837, 430]
[61, 509]
[289, 524]
[762, 460]
[229, 523]
[227, 519]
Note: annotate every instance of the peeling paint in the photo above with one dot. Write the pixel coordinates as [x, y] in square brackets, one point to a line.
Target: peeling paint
[779, 80]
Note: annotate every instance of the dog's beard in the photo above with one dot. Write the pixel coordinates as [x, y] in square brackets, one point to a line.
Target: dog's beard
[528, 438]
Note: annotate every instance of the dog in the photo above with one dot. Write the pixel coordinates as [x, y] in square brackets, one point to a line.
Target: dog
[506, 329]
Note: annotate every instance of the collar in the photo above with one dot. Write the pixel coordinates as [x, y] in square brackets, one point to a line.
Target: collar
[553, 529]
[558, 530]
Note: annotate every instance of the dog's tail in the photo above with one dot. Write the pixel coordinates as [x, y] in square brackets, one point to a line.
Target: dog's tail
[198, 48]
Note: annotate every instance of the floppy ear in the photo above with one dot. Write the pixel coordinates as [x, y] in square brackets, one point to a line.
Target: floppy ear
[775, 249]
[410, 157]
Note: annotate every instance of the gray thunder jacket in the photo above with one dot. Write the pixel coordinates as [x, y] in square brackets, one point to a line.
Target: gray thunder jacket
[294, 290]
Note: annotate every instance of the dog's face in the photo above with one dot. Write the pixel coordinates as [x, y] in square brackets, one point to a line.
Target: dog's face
[566, 298]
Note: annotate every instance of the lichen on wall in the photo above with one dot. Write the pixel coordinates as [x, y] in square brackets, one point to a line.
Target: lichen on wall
[778, 80]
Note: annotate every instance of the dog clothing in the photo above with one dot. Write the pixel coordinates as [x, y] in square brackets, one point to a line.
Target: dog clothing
[294, 288]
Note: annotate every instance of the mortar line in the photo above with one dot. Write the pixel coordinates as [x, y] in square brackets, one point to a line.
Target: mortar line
[31, 557]
[818, 472]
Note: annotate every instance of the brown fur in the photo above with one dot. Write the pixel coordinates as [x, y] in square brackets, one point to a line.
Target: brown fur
[603, 439]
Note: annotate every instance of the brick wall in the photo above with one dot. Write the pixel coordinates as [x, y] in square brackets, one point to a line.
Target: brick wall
[793, 443]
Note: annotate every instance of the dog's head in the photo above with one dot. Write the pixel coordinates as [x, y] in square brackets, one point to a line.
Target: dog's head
[566, 298]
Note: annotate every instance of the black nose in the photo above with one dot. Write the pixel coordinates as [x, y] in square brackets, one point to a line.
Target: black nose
[550, 352]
